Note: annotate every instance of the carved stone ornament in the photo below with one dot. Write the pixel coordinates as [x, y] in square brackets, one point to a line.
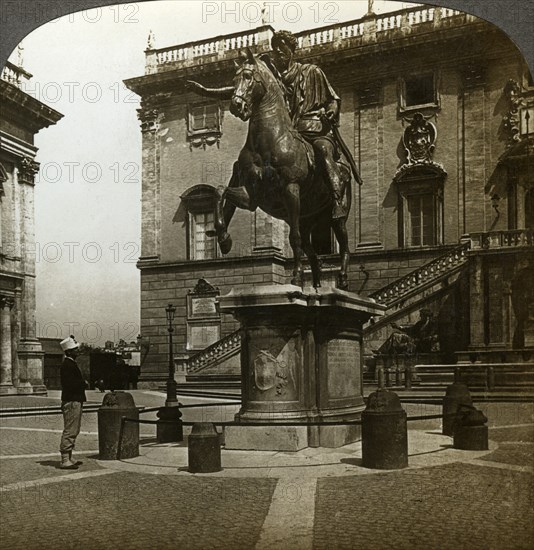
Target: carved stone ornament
[511, 121]
[7, 302]
[150, 119]
[27, 170]
[418, 140]
[203, 140]
[270, 372]
[203, 287]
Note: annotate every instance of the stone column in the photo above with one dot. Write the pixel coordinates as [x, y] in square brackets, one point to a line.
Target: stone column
[29, 355]
[151, 190]
[6, 382]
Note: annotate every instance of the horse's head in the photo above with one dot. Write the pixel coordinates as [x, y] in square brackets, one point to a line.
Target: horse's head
[249, 86]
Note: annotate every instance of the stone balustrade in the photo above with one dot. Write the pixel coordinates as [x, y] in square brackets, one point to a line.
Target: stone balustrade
[15, 75]
[502, 239]
[369, 28]
[219, 349]
[226, 46]
[423, 276]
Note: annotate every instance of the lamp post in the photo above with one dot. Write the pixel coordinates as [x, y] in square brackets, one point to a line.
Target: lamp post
[170, 310]
[171, 429]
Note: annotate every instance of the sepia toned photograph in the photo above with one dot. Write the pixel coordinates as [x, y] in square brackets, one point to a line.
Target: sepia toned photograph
[266, 275]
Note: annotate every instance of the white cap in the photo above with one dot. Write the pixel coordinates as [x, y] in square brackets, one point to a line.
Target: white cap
[68, 343]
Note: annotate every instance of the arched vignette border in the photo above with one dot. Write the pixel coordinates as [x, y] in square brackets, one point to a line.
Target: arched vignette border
[514, 17]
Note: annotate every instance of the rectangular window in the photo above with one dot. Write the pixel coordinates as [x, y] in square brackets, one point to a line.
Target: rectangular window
[421, 226]
[204, 118]
[418, 91]
[202, 246]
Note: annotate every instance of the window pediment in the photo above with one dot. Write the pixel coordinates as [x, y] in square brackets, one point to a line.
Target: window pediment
[411, 174]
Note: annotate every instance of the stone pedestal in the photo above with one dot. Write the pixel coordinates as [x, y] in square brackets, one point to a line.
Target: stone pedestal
[301, 360]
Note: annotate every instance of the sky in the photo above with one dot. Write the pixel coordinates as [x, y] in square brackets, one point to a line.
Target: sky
[88, 190]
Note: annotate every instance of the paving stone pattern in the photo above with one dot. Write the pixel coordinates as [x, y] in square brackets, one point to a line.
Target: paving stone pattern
[456, 506]
[17, 442]
[512, 453]
[522, 433]
[29, 469]
[138, 512]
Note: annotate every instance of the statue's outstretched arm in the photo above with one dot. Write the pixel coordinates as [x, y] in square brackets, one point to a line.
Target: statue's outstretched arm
[226, 92]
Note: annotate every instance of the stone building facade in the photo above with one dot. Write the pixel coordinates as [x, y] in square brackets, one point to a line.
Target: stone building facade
[434, 107]
[21, 117]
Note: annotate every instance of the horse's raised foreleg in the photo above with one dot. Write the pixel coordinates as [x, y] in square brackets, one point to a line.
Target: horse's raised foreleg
[292, 204]
[224, 210]
[339, 226]
[227, 199]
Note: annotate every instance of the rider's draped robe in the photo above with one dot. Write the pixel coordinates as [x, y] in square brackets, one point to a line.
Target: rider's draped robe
[308, 91]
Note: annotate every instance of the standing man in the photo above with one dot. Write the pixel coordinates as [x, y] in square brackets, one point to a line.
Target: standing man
[72, 398]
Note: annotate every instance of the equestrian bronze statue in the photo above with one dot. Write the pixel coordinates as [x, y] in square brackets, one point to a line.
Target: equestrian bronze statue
[290, 165]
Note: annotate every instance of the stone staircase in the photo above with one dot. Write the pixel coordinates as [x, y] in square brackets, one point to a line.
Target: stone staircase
[213, 369]
[412, 291]
[217, 368]
[516, 377]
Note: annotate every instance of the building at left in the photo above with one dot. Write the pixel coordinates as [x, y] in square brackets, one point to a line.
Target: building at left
[21, 117]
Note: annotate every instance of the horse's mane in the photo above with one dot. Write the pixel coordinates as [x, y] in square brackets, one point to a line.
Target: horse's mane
[269, 72]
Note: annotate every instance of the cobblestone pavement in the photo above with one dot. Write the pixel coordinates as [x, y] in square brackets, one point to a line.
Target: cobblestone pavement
[481, 503]
[137, 511]
[453, 506]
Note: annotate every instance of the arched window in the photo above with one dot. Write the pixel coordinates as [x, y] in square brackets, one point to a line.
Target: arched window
[200, 204]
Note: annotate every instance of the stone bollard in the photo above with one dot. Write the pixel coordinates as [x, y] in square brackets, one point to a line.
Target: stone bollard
[470, 430]
[384, 432]
[204, 449]
[166, 432]
[114, 406]
[456, 394]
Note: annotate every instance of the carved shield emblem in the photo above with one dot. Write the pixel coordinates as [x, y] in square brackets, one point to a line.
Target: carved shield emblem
[265, 368]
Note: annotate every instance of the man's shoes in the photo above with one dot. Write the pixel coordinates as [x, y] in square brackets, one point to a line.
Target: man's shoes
[66, 462]
[74, 461]
[68, 465]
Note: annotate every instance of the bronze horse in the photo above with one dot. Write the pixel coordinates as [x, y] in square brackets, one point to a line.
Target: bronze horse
[275, 172]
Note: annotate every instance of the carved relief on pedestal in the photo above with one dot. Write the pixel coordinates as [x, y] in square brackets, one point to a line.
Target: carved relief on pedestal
[273, 369]
[271, 372]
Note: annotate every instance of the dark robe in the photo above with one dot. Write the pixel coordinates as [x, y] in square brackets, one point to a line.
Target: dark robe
[308, 91]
